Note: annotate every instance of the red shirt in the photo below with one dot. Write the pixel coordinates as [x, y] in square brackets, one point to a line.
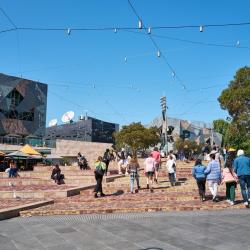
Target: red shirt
[157, 156]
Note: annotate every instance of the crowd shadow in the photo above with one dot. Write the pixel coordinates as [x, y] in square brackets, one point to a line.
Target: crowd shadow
[117, 193]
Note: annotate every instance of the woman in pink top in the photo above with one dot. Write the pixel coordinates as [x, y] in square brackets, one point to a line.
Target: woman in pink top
[230, 178]
[157, 156]
[149, 171]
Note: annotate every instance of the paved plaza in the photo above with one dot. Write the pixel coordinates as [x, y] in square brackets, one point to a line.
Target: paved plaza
[130, 231]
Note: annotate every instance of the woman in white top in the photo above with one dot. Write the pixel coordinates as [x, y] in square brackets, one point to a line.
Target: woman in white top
[171, 168]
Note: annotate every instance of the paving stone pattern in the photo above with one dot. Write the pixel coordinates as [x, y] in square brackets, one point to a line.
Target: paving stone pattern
[184, 196]
[193, 230]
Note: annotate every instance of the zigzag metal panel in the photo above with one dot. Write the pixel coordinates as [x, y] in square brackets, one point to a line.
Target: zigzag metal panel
[23, 105]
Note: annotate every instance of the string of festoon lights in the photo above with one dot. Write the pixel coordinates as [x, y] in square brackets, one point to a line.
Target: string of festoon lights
[147, 31]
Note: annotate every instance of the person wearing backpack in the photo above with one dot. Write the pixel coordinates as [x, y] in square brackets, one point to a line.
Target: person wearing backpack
[133, 169]
[230, 178]
[198, 173]
[171, 168]
[100, 168]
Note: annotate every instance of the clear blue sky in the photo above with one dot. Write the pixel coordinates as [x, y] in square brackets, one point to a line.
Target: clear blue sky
[87, 71]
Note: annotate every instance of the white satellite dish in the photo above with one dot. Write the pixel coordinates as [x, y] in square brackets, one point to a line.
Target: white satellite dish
[68, 116]
[53, 122]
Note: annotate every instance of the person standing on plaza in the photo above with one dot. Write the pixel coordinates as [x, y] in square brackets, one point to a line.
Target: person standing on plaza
[171, 167]
[100, 168]
[213, 173]
[198, 173]
[133, 171]
[157, 156]
[230, 178]
[106, 159]
[242, 169]
[149, 171]
[122, 160]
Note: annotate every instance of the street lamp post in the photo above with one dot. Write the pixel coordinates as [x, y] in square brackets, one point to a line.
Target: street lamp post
[164, 121]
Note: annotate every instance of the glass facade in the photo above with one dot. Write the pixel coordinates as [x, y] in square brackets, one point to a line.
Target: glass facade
[84, 130]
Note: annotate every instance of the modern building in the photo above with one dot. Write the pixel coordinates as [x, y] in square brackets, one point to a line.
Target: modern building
[200, 132]
[23, 106]
[87, 129]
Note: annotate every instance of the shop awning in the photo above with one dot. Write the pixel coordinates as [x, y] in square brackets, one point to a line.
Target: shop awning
[27, 149]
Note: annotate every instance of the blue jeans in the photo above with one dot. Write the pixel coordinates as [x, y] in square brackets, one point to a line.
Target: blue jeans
[245, 185]
[132, 183]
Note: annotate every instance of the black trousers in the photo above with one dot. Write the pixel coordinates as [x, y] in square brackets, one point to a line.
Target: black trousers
[201, 183]
[107, 165]
[98, 187]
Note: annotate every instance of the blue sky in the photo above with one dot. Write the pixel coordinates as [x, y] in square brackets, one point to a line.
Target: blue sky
[87, 70]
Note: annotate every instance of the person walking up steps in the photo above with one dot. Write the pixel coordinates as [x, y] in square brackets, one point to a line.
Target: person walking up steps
[100, 168]
[149, 171]
[230, 178]
[213, 176]
[133, 170]
[171, 167]
[157, 156]
[242, 169]
[198, 173]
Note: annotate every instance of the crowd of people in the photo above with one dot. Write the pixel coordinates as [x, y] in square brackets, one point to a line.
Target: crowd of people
[233, 172]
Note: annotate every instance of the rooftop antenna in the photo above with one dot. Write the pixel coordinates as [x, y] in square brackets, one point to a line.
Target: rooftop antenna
[53, 122]
[68, 117]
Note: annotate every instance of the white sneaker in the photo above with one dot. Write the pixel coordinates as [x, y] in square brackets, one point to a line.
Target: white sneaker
[228, 201]
[231, 203]
[246, 203]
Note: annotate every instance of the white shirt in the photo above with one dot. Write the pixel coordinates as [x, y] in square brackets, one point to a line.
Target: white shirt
[169, 166]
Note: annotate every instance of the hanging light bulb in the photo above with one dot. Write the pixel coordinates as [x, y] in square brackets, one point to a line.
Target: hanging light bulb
[68, 31]
[238, 44]
[183, 87]
[140, 24]
[159, 53]
[149, 30]
[125, 59]
[115, 30]
[173, 74]
[93, 86]
[201, 28]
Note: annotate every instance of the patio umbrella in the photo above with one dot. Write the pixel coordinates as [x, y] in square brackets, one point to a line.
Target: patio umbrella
[27, 149]
[18, 154]
[2, 153]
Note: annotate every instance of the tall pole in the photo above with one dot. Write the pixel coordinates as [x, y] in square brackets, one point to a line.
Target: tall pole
[164, 121]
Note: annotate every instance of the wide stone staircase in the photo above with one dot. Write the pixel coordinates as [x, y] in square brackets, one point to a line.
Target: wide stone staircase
[183, 196]
[35, 188]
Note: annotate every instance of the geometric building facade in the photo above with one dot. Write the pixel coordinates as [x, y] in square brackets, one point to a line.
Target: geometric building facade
[23, 105]
[196, 131]
[87, 129]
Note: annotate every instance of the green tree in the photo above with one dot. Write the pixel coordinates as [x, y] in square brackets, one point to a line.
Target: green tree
[188, 145]
[236, 100]
[137, 137]
[221, 127]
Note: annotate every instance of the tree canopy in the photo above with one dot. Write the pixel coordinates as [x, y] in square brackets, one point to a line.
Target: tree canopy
[137, 137]
[236, 100]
